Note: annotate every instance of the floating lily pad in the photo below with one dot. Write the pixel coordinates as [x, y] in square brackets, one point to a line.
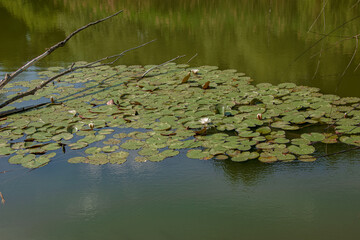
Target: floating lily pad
[307, 158]
[267, 157]
[301, 149]
[77, 160]
[132, 144]
[197, 154]
[78, 145]
[108, 149]
[238, 120]
[245, 156]
[313, 137]
[118, 157]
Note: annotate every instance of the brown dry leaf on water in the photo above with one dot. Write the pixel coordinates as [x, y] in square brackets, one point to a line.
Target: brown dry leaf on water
[186, 78]
[206, 85]
[2, 198]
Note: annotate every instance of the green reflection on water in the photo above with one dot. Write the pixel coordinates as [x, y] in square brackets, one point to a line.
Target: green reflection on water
[261, 38]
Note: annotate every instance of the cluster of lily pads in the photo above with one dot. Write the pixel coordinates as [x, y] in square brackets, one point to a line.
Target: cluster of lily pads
[105, 113]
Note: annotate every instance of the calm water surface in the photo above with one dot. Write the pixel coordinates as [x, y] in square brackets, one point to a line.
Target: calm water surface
[182, 198]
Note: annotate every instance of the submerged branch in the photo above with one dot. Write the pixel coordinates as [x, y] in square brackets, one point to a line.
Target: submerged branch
[9, 77]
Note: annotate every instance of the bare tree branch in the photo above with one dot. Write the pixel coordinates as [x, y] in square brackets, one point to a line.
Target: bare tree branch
[171, 60]
[94, 64]
[9, 77]
[192, 58]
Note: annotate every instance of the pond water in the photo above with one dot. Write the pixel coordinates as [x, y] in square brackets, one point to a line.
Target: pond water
[180, 197]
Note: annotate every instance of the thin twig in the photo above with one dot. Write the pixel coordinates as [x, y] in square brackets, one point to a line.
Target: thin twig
[9, 77]
[318, 41]
[192, 58]
[318, 16]
[171, 60]
[351, 60]
[71, 69]
[322, 45]
[339, 152]
[355, 4]
[335, 44]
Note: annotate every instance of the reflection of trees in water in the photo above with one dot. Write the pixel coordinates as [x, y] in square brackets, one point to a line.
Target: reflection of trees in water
[248, 173]
[240, 34]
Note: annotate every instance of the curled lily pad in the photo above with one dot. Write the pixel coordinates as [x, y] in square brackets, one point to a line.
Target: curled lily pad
[307, 158]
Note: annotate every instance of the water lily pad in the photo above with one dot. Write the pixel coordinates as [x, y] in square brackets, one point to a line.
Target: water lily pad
[98, 159]
[267, 157]
[132, 144]
[112, 141]
[353, 140]
[20, 159]
[6, 150]
[77, 160]
[141, 159]
[93, 150]
[118, 157]
[307, 158]
[51, 146]
[78, 145]
[301, 149]
[313, 137]
[108, 149]
[245, 156]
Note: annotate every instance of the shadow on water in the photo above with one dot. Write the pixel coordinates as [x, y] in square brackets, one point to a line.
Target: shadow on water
[249, 173]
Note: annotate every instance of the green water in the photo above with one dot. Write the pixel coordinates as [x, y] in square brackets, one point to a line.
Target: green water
[182, 198]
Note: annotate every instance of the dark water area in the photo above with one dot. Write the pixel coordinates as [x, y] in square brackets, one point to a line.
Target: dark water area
[271, 41]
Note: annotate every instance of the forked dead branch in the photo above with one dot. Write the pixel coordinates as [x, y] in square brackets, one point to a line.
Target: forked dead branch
[9, 77]
[97, 63]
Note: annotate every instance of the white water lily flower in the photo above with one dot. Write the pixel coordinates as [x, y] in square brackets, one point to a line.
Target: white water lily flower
[195, 71]
[91, 125]
[205, 120]
[73, 112]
